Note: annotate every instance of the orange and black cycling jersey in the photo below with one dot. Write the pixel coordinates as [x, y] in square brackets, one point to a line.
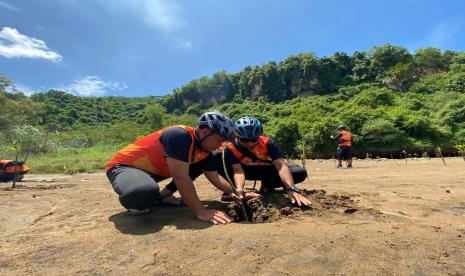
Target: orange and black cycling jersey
[10, 166]
[344, 138]
[149, 153]
[265, 151]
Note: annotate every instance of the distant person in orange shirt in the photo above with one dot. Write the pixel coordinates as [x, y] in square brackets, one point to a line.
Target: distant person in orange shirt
[344, 146]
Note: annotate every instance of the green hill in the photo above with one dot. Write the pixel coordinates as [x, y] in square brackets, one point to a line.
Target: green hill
[391, 99]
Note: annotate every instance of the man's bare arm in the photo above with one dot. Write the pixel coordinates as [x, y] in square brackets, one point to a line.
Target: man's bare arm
[180, 173]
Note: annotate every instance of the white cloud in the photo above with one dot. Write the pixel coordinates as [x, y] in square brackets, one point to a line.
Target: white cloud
[180, 44]
[13, 44]
[164, 15]
[28, 91]
[9, 6]
[92, 86]
[187, 44]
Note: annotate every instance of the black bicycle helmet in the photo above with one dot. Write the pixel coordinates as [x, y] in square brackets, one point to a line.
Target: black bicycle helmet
[217, 122]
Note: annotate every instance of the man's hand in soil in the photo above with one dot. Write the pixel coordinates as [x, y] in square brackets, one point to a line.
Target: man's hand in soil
[244, 196]
[298, 198]
[213, 216]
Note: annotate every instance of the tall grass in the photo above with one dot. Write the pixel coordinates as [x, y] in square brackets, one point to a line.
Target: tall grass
[73, 160]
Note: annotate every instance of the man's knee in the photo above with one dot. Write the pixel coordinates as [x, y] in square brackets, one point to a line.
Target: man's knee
[299, 174]
[140, 197]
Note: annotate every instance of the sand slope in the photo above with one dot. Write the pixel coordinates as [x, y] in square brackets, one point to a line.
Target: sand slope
[410, 220]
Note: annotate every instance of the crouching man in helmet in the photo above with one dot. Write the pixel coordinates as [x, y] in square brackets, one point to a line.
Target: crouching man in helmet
[253, 156]
[180, 152]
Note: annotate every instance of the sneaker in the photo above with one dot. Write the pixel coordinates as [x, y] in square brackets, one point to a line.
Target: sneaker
[338, 166]
[349, 166]
[137, 212]
[226, 197]
[170, 201]
[265, 190]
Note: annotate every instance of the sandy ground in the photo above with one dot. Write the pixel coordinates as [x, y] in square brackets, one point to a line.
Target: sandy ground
[410, 220]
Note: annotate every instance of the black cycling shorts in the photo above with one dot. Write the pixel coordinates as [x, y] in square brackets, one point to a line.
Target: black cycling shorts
[344, 153]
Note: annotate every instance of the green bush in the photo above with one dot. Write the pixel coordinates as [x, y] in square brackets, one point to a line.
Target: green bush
[382, 133]
[73, 160]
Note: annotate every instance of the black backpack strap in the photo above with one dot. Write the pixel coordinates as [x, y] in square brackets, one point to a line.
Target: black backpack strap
[249, 154]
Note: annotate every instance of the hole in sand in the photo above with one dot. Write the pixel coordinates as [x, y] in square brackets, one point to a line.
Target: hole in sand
[276, 205]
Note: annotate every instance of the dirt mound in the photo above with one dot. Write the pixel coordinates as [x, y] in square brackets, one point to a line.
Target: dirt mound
[276, 205]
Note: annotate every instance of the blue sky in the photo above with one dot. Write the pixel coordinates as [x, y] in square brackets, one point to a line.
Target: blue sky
[150, 47]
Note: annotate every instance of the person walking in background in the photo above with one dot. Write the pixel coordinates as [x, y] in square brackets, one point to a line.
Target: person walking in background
[344, 146]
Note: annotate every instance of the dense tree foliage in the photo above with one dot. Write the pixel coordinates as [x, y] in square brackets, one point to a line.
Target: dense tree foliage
[305, 74]
[391, 99]
[16, 108]
[65, 111]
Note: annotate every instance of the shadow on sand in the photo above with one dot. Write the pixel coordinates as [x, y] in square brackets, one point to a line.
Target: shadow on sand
[181, 217]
